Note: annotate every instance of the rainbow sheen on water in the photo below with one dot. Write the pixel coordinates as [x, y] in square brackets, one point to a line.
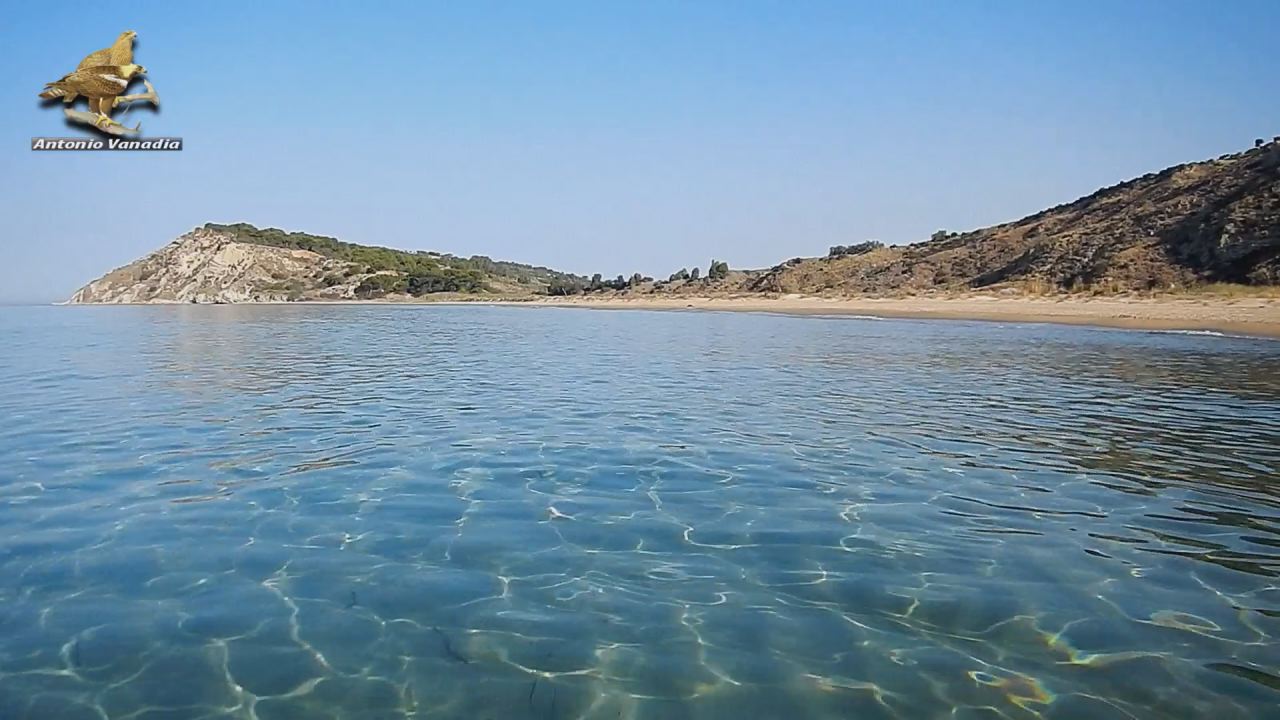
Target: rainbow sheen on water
[491, 512]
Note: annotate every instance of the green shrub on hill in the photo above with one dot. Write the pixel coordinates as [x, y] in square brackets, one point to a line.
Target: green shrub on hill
[419, 273]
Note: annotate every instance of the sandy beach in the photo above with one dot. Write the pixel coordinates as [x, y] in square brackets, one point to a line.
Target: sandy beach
[1246, 316]
[1256, 316]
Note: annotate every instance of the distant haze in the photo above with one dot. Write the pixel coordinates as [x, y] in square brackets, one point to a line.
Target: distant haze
[616, 137]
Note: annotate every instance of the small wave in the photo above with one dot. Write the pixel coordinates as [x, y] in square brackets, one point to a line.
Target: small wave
[831, 316]
[1213, 333]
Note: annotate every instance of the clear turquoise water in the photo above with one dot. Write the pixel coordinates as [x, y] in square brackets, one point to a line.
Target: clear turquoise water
[477, 512]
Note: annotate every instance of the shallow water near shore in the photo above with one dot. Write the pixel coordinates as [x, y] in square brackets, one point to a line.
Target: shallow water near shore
[504, 512]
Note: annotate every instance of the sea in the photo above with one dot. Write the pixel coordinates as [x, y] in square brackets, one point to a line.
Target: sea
[486, 512]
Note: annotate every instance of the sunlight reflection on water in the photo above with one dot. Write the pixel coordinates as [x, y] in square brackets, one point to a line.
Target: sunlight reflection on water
[471, 512]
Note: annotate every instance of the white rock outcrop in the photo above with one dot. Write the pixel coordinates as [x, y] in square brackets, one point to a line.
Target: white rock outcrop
[209, 266]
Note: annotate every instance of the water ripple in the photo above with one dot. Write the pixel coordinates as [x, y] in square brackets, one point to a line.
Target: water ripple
[470, 512]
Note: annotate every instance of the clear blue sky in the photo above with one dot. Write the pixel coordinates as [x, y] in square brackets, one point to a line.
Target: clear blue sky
[616, 136]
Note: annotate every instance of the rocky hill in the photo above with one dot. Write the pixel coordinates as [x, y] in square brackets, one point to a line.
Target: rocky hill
[1204, 222]
[241, 263]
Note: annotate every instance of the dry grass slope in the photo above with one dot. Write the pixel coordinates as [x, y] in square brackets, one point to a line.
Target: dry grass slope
[1208, 224]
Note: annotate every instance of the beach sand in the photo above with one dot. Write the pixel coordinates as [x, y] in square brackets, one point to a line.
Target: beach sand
[1256, 316]
[1246, 316]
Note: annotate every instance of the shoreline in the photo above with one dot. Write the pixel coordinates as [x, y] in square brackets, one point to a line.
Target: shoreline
[1258, 317]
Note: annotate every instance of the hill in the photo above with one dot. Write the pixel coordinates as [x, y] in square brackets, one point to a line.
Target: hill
[1216, 221]
[242, 263]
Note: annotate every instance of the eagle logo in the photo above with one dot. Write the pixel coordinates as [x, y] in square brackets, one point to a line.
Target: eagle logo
[101, 78]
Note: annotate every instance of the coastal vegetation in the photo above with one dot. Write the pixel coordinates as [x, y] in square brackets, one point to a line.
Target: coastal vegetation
[386, 271]
[859, 249]
[1210, 227]
[639, 282]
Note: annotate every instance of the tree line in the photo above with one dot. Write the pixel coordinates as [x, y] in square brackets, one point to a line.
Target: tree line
[569, 285]
[397, 271]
